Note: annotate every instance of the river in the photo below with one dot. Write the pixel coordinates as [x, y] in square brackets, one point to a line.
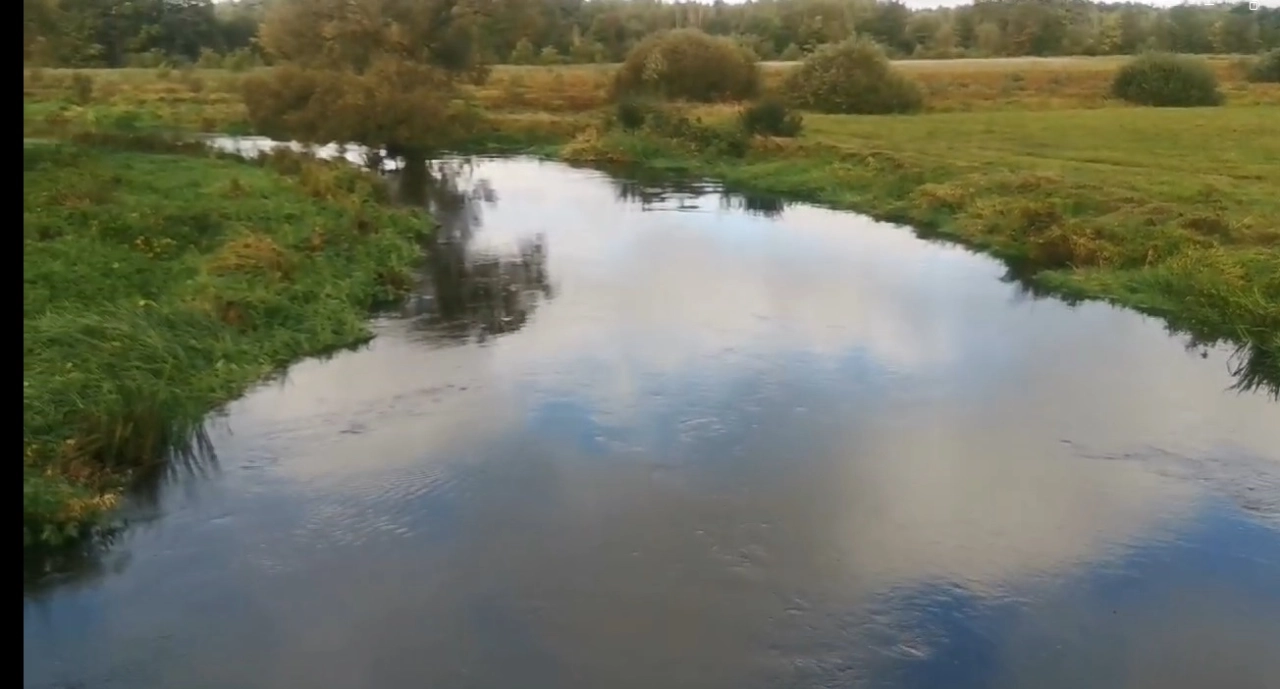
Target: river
[636, 436]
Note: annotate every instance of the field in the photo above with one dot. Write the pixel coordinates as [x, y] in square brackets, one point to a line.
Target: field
[128, 310]
[156, 286]
[210, 99]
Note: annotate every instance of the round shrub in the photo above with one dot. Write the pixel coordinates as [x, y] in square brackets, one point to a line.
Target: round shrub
[631, 113]
[852, 77]
[1168, 81]
[771, 117]
[1266, 69]
[687, 64]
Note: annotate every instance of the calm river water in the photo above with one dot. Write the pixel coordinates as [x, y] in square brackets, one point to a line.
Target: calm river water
[635, 437]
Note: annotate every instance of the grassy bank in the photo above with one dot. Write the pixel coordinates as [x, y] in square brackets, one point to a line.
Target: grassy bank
[1173, 212]
[158, 286]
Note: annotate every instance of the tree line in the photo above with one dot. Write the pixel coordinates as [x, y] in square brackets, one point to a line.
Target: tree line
[121, 33]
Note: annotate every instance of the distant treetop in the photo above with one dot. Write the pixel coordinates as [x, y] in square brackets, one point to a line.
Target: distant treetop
[114, 33]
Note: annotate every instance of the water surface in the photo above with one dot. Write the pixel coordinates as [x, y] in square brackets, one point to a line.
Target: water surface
[631, 437]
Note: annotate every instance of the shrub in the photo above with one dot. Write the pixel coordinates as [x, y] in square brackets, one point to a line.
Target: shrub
[687, 64]
[852, 77]
[1266, 69]
[209, 59]
[148, 60]
[1167, 80]
[550, 56]
[632, 113]
[404, 107]
[771, 117]
[524, 53]
[698, 136]
[240, 60]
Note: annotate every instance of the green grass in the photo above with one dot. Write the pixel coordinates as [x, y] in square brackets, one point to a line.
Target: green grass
[61, 119]
[1171, 212]
[158, 286]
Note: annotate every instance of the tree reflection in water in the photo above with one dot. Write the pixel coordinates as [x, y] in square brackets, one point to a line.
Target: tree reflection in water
[665, 193]
[766, 206]
[467, 294]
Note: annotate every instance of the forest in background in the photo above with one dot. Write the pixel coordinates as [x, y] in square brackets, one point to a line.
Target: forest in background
[153, 33]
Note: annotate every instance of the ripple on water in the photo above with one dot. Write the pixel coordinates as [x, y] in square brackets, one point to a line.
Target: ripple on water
[1249, 480]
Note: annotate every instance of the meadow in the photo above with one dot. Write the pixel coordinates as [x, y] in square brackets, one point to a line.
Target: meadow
[209, 99]
[159, 285]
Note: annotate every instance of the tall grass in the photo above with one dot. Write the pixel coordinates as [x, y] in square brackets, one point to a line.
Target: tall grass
[159, 286]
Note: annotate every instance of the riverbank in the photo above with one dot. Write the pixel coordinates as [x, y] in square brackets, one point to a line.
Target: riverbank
[1171, 212]
[1168, 211]
[159, 286]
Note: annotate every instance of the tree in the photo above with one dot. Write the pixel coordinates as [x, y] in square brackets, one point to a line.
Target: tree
[988, 39]
[550, 56]
[38, 21]
[921, 28]
[1110, 35]
[943, 43]
[110, 32]
[524, 53]
[584, 52]
[382, 73]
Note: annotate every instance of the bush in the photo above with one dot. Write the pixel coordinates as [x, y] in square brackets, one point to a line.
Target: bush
[771, 117]
[209, 59]
[687, 64]
[404, 107]
[1167, 80]
[550, 56]
[524, 53]
[148, 60]
[853, 77]
[632, 113]
[1266, 69]
[240, 60]
[698, 136]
